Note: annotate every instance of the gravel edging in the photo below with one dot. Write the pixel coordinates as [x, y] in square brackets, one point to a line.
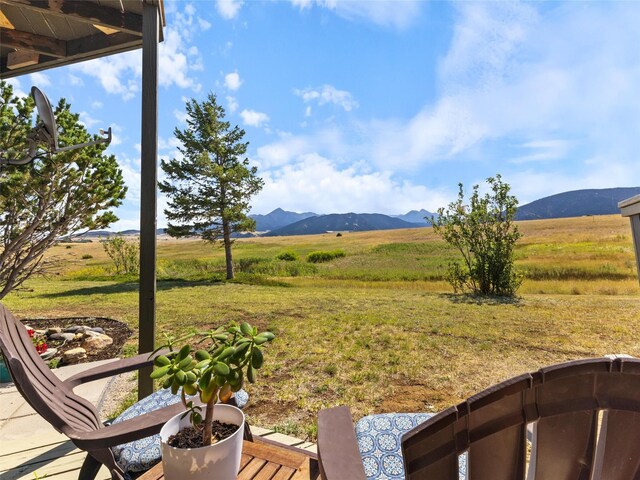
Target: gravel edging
[115, 392]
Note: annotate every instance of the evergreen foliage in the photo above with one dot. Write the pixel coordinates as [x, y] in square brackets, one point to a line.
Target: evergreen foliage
[485, 234]
[210, 188]
[54, 196]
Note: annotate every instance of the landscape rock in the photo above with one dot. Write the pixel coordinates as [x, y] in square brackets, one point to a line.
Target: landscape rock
[73, 328]
[90, 333]
[52, 330]
[96, 343]
[97, 329]
[74, 354]
[62, 336]
[79, 335]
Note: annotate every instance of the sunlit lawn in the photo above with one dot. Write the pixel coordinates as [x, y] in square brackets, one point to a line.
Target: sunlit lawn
[379, 330]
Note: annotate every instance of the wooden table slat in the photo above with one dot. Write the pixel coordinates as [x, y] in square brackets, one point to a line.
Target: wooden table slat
[282, 456]
[267, 472]
[285, 473]
[254, 466]
[264, 461]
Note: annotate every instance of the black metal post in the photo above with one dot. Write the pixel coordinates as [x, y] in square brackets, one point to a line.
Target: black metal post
[148, 201]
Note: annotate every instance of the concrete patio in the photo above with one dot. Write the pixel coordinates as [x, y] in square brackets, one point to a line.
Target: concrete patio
[30, 448]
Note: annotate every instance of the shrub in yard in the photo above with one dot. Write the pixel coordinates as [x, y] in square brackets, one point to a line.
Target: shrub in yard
[124, 254]
[485, 234]
[87, 257]
[288, 256]
[249, 264]
[324, 256]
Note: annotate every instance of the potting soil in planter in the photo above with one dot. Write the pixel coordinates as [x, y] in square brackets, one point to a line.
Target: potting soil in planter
[191, 437]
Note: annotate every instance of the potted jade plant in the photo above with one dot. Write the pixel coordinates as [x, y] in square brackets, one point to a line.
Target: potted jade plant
[210, 447]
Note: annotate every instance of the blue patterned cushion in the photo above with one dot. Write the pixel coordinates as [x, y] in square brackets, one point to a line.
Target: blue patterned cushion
[140, 455]
[379, 441]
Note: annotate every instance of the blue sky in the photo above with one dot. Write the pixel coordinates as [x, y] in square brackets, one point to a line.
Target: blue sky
[372, 106]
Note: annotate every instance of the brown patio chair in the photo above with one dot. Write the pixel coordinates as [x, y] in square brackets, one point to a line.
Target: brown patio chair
[584, 417]
[75, 416]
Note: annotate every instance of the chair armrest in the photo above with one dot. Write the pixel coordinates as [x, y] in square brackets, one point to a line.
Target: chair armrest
[111, 369]
[116, 434]
[338, 454]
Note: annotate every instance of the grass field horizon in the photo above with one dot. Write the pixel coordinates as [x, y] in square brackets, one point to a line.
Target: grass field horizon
[379, 329]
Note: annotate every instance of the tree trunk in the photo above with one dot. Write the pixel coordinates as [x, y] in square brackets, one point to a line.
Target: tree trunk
[227, 249]
[208, 420]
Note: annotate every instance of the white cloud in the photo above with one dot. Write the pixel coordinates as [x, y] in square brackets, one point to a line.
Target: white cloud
[17, 87]
[40, 80]
[329, 142]
[75, 81]
[385, 13]
[204, 25]
[87, 120]
[307, 111]
[232, 81]
[228, 9]
[96, 104]
[178, 59]
[315, 183]
[118, 74]
[328, 94]
[180, 115]
[232, 104]
[508, 85]
[253, 118]
[131, 172]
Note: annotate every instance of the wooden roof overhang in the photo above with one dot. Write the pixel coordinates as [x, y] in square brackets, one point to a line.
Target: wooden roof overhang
[40, 34]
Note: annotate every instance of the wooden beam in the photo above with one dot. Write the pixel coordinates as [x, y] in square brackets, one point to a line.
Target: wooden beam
[106, 30]
[148, 193]
[21, 59]
[35, 43]
[4, 21]
[100, 42]
[85, 12]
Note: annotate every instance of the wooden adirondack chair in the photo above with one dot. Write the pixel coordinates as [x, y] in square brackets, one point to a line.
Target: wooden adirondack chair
[68, 413]
[585, 416]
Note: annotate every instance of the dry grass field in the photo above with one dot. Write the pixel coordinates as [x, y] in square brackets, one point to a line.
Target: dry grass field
[378, 329]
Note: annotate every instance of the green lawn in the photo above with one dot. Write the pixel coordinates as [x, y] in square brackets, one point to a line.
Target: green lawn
[377, 330]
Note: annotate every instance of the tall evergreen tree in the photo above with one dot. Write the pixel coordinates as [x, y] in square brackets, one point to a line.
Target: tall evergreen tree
[54, 196]
[210, 188]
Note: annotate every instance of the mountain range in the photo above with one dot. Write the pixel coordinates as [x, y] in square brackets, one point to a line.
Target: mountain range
[577, 203]
[279, 218]
[353, 222]
[568, 204]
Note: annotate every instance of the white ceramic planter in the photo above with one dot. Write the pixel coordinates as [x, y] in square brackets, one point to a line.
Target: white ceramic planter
[220, 461]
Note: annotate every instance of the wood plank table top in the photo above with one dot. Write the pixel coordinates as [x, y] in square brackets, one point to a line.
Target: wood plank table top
[265, 461]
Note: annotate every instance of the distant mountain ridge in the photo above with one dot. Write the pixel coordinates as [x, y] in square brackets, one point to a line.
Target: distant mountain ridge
[340, 222]
[577, 203]
[417, 216]
[278, 218]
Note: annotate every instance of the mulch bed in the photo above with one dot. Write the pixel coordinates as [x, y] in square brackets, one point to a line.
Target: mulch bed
[118, 331]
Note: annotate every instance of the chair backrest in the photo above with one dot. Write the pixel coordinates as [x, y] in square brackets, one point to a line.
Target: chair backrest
[48, 396]
[585, 417]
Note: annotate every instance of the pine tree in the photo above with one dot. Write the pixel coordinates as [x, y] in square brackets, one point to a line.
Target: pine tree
[210, 188]
[52, 197]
